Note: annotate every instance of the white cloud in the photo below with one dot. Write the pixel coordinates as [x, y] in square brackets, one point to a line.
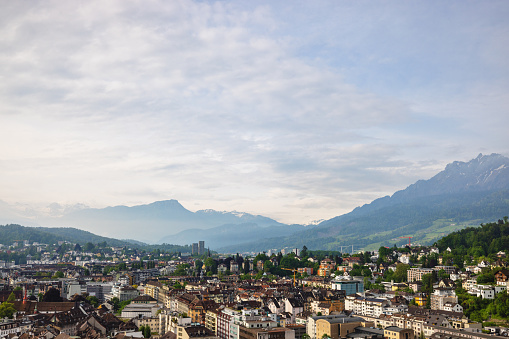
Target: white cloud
[222, 105]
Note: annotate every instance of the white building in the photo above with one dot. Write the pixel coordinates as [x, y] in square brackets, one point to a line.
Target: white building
[365, 306]
[139, 310]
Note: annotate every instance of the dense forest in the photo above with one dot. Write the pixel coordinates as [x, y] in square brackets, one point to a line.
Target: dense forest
[486, 240]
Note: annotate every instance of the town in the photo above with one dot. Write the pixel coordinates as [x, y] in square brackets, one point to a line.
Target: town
[65, 290]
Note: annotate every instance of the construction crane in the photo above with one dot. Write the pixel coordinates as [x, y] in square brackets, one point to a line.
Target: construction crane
[408, 240]
[294, 270]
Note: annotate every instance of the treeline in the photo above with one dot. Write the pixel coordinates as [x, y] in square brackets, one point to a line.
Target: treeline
[486, 240]
[47, 235]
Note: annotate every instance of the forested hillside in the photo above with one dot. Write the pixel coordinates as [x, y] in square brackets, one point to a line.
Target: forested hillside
[486, 240]
[49, 235]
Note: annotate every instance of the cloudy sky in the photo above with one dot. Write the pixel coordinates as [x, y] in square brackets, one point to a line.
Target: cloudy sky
[296, 110]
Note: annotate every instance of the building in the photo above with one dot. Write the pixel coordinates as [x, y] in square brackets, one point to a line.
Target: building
[447, 269]
[195, 331]
[211, 321]
[311, 329]
[502, 277]
[365, 306]
[194, 249]
[140, 310]
[349, 286]
[339, 327]
[266, 333]
[415, 274]
[123, 293]
[307, 270]
[201, 247]
[441, 296]
[394, 332]
[326, 267]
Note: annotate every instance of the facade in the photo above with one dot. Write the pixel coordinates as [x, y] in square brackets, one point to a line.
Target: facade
[123, 293]
[441, 296]
[415, 274]
[393, 332]
[349, 286]
[326, 268]
[447, 269]
[266, 333]
[211, 321]
[140, 310]
[365, 306]
[307, 270]
[339, 327]
[311, 324]
[502, 277]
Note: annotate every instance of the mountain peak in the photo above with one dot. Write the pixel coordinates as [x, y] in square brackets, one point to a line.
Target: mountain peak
[484, 173]
[172, 203]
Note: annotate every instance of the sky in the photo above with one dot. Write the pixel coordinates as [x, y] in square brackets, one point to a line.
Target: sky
[295, 110]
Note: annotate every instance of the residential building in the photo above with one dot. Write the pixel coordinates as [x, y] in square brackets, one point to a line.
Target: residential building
[394, 332]
[339, 327]
[415, 274]
[441, 296]
[326, 268]
[365, 306]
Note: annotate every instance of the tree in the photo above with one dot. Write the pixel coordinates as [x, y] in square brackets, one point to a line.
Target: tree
[146, 332]
[487, 277]
[427, 282]
[198, 264]
[89, 247]
[442, 274]
[304, 253]
[58, 274]
[367, 257]
[92, 300]
[211, 265]
[11, 297]
[7, 310]
[267, 266]
[400, 274]
[116, 303]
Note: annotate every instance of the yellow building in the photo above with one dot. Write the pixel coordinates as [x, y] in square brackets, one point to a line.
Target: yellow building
[420, 300]
[394, 332]
[339, 327]
[211, 321]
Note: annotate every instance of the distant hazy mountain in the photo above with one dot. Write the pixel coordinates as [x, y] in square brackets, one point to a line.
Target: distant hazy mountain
[50, 235]
[152, 222]
[464, 194]
[231, 234]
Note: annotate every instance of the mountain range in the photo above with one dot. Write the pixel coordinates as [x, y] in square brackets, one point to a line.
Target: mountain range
[463, 194]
